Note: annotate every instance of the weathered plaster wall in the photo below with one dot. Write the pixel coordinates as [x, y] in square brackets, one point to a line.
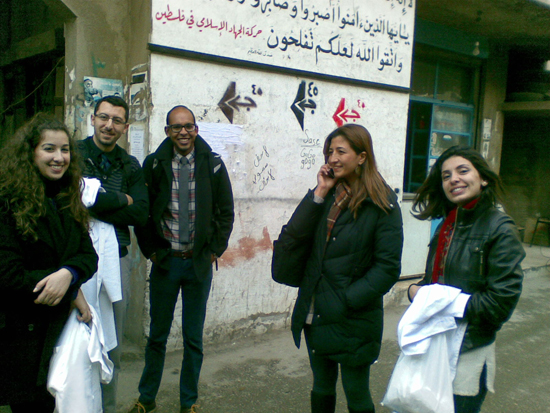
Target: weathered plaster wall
[494, 93]
[96, 45]
[138, 98]
[266, 165]
[109, 40]
[525, 168]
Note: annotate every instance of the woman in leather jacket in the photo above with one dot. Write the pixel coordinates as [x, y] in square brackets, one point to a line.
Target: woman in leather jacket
[478, 250]
[353, 222]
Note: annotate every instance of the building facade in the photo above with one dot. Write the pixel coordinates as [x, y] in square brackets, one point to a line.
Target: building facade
[268, 81]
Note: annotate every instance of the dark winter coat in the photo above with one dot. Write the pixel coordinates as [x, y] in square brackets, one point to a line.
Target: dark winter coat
[125, 176]
[484, 259]
[214, 205]
[346, 277]
[29, 331]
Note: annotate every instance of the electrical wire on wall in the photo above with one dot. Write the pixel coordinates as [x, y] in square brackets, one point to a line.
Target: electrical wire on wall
[35, 89]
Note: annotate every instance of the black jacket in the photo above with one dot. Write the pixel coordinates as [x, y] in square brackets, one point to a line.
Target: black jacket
[28, 331]
[347, 277]
[214, 205]
[484, 259]
[125, 176]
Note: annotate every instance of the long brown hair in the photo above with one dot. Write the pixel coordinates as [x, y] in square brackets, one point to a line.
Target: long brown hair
[21, 183]
[370, 183]
[431, 202]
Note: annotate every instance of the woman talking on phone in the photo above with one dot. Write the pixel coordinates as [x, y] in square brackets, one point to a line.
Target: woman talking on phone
[353, 223]
[45, 255]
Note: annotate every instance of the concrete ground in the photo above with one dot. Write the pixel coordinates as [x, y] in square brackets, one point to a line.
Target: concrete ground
[268, 374]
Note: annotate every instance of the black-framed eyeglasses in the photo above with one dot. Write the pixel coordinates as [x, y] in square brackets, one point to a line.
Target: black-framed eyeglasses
[105, 118]
[176, 128]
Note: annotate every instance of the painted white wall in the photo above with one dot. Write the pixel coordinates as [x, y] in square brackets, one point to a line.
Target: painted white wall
[417, 238]
[264, 150]
[365, 40]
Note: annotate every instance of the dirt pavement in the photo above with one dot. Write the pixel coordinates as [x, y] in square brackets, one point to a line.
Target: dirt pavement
[268, 374]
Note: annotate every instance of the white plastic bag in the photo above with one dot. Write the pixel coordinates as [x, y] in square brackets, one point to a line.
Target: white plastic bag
[77, 367]
[422, 383]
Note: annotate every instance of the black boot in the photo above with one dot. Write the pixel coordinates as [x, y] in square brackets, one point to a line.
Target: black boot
[322, 403]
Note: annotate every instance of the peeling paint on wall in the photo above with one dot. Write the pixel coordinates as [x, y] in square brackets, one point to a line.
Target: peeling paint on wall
[246, 249]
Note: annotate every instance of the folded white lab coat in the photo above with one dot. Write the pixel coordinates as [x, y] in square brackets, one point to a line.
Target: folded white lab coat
[79, 363]
[433, 312]
[105, 287]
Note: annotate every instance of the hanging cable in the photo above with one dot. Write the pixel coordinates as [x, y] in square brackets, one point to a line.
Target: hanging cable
[35, 89]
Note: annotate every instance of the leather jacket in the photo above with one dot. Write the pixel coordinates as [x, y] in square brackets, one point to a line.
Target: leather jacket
[483, 260]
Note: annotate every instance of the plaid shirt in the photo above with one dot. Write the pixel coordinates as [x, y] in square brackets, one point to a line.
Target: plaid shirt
[170, 218]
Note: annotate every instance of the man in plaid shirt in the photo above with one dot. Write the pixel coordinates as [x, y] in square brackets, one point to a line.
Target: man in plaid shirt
[190, 220]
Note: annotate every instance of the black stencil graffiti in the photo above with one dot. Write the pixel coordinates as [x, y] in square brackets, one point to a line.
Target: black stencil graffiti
[302, 102]
[230, 102]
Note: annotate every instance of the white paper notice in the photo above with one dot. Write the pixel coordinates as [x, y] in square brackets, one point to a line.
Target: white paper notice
[137, 142]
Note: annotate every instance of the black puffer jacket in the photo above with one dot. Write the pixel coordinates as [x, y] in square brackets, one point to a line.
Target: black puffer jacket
[483, 260]
[346, 277]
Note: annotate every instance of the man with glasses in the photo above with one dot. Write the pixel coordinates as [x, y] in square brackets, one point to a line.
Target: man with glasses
[190, 220]
[121, 201]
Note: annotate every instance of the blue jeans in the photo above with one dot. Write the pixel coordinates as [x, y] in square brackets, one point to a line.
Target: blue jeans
[355, 380]
[164, 291]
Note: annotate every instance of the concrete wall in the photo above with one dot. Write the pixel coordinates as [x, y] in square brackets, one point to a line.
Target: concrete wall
[272, 163]
[109, 40]
[96, 44]
[494, 93]
[525, 169]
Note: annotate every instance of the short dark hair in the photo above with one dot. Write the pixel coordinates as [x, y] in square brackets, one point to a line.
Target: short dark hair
[179, 107]
[115, 101]
[431, 201]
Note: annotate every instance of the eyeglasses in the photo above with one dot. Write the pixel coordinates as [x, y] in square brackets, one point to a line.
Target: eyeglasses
[105, 118]
[176, 128]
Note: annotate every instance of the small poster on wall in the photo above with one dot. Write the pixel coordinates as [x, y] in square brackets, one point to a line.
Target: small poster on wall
[96, 87]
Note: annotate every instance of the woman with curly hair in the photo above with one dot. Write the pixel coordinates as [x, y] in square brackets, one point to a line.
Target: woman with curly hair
[45, 255]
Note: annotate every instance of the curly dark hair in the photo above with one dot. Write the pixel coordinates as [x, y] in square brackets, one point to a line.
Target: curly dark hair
[431, 202]
[21, 183]
[371, 184]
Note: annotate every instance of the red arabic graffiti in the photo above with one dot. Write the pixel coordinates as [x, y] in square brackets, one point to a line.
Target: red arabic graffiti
[342, 115]
[206, 23]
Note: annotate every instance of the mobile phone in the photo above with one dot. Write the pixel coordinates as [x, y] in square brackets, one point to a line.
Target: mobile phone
[331, 173]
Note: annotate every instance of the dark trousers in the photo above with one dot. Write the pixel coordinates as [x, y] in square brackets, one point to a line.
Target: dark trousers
[164, 290]
[43, 403]
[472, 404]
[355, 381]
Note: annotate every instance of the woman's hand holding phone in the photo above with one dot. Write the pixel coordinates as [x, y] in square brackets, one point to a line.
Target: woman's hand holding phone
[325, 181]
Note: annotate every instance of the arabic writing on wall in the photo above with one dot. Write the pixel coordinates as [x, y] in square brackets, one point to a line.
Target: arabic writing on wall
[263, 173]
[342, 39]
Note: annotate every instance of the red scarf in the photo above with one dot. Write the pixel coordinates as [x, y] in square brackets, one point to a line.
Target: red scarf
[444, 241]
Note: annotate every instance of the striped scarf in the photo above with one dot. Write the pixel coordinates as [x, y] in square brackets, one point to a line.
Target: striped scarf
[342, 198]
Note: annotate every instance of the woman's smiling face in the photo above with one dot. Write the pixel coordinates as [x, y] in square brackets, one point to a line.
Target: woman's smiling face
[343, 160]
[52, 156]
[461, 180]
